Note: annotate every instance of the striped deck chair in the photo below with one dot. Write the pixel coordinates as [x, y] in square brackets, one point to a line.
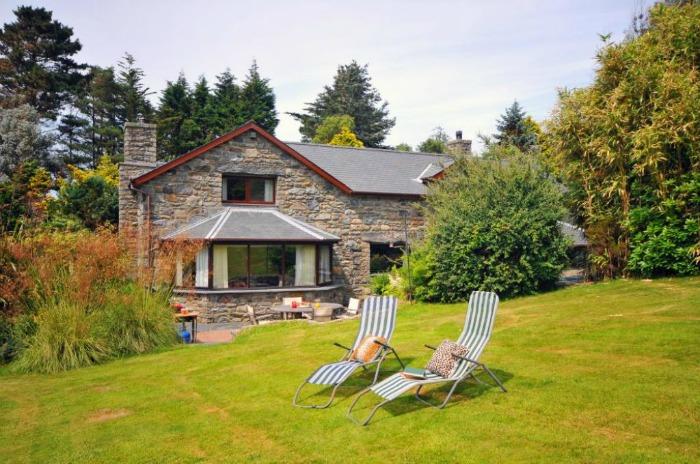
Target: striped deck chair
[378, 318]
[476, 333]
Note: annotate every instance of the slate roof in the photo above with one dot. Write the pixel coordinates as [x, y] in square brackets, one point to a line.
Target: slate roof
[374, 170]
[352, 170]
[251, 224]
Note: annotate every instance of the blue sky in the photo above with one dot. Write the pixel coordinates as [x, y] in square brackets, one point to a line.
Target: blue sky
[439, 63]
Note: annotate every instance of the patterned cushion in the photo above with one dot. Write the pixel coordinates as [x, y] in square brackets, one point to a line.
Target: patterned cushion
[367, 349]
[443, 363]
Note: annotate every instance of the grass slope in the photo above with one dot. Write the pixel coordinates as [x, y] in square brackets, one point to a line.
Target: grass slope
[598, 373]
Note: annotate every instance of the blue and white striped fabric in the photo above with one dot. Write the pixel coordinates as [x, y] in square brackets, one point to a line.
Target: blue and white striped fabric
[475, 336]
[378, 318]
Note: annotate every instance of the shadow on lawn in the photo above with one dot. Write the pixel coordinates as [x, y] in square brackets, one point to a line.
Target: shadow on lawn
[466, 390]
[407, 403]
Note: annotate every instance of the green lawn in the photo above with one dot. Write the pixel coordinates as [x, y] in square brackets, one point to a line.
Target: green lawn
[596, 373]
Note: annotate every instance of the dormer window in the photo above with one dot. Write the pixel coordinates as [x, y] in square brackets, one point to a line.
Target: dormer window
[248, 189]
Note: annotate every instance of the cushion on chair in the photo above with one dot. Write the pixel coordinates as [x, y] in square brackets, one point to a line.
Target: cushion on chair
[443, 363]
[367, 349]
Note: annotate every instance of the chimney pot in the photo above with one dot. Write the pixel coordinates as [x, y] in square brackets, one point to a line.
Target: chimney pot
[459, 135]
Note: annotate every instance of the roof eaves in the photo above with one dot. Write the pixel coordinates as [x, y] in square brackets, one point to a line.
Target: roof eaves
[250, 125]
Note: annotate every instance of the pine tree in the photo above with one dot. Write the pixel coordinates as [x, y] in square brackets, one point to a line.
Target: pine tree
[258, 100]
[203, 113]
[514, 129]
[352, 94]
[36, 64]
[226, 103]
[133, 93]
[175, 126]
[74, 135]
[99, 105]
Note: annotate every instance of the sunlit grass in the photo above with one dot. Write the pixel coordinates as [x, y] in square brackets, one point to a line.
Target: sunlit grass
[597, 373]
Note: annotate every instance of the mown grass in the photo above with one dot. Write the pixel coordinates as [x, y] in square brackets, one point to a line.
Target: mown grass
[597, 373]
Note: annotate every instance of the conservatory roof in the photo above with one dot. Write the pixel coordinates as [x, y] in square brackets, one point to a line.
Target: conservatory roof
[251, 225]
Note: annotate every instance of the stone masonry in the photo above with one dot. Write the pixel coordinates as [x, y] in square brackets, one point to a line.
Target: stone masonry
[194, 190]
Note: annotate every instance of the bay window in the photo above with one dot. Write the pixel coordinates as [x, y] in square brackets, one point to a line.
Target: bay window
[240, 266]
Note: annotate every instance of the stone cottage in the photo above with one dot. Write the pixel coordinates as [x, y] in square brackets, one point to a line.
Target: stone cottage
[274, 219]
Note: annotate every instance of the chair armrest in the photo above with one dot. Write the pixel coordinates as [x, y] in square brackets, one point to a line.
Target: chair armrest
[341, 346]
[467, 359]
[431, 347]
[382, 344]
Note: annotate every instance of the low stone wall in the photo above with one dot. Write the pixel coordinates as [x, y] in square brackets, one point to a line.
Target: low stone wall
[218, 307]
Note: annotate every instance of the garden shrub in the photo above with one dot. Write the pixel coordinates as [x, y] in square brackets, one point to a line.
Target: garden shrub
[65, 338]
[85, 279]
[665, 231]
[136, 320]
[379, 284]
[492, 225]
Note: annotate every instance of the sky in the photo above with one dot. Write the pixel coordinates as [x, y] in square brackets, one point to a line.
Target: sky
[453, 64]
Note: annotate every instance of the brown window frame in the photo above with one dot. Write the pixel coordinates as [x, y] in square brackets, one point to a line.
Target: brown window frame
[247, 179]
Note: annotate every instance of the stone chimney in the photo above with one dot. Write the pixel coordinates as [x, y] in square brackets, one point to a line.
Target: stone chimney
[139, 158]
[459, 146]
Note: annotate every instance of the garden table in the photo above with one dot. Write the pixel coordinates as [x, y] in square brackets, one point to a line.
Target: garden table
[288, 312]
[190, 317]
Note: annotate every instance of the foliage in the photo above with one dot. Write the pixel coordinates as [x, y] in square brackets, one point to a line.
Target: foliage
[136, 320]
[436, 143]
[516, 128]
[94, 127]
[93, 201]
[70, 301]
[617, 143]
[133, 93]
[21, 139]
[24, 198]
[664, 234]
[379, 284]
[36, 61]
[346, 138]
[492, 225]
[403, 147]
[64, 339]
[332, 125]
[351, 94]
[258, 100]
[188, 118]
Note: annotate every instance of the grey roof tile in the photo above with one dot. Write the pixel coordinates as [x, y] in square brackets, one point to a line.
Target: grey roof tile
[374, 170]
[254, 224]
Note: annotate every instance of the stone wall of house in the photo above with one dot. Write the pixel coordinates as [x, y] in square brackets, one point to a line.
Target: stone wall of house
[194, 190]
[219, 307]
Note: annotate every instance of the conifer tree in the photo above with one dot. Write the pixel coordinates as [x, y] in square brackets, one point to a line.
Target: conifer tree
[175, 125]
[133, 93]
[515, 128]
[36, 62]
[226, 103]
[258, 100]
[351, 93]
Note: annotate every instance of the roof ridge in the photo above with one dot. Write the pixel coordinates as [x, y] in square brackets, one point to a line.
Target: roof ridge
[421, 153]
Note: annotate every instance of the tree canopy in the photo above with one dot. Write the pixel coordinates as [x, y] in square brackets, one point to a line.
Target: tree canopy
[627, 148]
[351, 94]
[515, 127]
[36, 61]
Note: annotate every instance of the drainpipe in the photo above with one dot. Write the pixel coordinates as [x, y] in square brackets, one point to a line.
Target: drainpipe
[147, 219]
